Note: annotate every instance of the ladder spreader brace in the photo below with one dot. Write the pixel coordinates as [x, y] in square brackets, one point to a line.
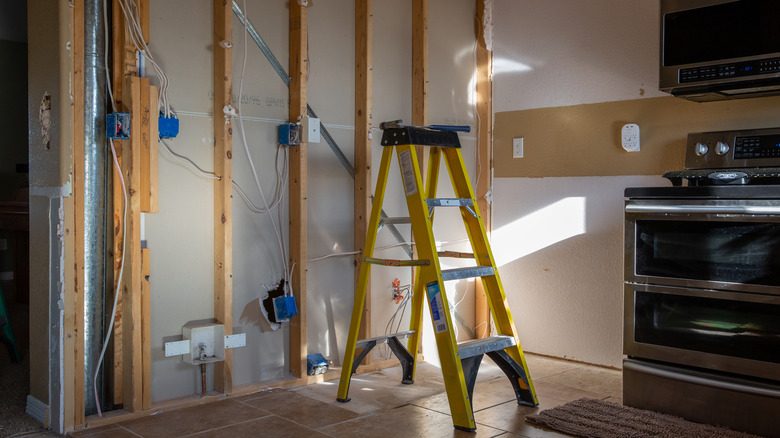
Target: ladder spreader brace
[459, 362]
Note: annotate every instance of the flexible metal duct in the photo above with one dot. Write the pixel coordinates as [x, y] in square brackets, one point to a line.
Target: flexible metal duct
[95, 164]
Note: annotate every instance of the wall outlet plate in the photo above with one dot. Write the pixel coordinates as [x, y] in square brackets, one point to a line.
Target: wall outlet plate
[629, 137]
[517, 147]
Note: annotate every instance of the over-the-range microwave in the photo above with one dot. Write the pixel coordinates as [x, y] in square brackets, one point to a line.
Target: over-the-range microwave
[720, 49]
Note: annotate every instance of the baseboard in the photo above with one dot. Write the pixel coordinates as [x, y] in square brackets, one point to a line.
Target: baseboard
[38, 410]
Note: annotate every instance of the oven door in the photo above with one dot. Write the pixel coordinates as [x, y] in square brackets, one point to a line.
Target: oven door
[708, 244]
[718, 330]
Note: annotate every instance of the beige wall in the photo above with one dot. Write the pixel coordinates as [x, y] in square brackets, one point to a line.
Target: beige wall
[568, 75]
[584, 140]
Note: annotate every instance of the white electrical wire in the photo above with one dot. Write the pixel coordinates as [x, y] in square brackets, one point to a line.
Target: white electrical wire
[132, 19]
[287, 274]
[118, 279]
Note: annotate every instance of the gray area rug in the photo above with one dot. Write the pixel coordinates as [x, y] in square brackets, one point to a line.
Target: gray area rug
[593, 418]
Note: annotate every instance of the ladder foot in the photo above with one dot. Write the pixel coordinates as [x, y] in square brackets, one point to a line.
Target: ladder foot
[466, 429]
[407, 381]
[343, 400]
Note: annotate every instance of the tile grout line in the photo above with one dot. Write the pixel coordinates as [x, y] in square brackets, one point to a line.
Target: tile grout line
[122, 427]
[231, 425]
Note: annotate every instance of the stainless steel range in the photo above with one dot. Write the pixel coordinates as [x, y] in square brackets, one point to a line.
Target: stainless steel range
[702, 285]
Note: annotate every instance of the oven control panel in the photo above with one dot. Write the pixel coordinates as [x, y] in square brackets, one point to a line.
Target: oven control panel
[733, 149]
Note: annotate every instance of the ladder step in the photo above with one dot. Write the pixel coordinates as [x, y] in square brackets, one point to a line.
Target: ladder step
[383, 339]
[485, 345]
[394, 262]
[467, 272]
[449, 202]
[456, 254]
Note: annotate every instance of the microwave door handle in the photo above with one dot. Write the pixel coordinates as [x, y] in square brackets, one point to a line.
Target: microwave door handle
[700, 380]
[703, 209]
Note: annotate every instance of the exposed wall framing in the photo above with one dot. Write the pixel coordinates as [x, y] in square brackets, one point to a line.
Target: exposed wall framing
[74, 310]
[484, 144]
[364, 39]
[132, 354]
[299, 62]
[223, 167]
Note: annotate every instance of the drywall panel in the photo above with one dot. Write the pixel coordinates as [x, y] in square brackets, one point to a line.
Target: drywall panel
[567, 52]
[584, 140]
[559, 246]
[181, 235]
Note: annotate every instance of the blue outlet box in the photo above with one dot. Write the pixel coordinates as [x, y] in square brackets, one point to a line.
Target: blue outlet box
[168, 126]
[118, 126]
[290, 134]
[284, 307]
[316, 364]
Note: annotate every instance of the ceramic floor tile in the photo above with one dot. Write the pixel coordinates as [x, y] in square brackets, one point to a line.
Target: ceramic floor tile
[486, 394]
[618, 400]
[511, 417]
[603, 381]
[194, 419]
[267, 427]
[92, 431]
[259, 394]
[303, 410]
[104, 432]
[379, 390]
[406, 421]
[543, 366]
[535, 432]
[558, 391]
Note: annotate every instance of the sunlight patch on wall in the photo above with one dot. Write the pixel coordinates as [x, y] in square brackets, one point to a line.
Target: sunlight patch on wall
[505, 65]
[544, 227]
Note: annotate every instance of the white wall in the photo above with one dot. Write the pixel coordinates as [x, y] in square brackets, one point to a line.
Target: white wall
[181, 234]
[562, 256]
[567, 52]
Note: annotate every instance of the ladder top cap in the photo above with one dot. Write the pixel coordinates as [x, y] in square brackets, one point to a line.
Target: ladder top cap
[412, 135]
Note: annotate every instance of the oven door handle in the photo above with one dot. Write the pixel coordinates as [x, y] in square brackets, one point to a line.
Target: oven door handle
[698, 380]
[703, 209]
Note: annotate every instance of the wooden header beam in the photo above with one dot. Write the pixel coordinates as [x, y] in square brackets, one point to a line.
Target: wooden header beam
[299, 63]
[223, 187]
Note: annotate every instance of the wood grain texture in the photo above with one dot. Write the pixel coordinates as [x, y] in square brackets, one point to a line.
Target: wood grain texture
[299, 62]
[77, 231]
[484, 152]
[131, 281]
[364, 39]
[223, 209]
[146, 330]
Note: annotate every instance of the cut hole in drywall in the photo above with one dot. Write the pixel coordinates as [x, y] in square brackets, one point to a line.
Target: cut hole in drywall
[44, 116]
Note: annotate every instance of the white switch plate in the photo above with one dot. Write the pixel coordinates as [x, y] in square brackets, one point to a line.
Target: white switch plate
[629, 137]
[517, 147]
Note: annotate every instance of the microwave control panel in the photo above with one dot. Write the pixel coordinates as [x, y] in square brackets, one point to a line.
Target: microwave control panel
[731, 70]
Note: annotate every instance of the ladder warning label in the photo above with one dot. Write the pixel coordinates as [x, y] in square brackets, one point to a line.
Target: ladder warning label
[407, 170]
[437, 307]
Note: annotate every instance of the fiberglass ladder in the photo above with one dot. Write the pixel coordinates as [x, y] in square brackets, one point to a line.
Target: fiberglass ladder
[459, 362]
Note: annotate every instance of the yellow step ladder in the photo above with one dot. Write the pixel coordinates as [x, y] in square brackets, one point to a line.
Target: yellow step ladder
[459, 362]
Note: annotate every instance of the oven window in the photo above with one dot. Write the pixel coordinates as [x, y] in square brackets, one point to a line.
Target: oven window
[723, 327]
[735, 252]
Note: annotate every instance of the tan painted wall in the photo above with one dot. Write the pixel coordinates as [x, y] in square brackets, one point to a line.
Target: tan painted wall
[584, 140]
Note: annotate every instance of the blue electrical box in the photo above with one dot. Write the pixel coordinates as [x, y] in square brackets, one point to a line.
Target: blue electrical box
[284, 307]
[316, 364]
[289, 134]
[168, 126]
[118, 126]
